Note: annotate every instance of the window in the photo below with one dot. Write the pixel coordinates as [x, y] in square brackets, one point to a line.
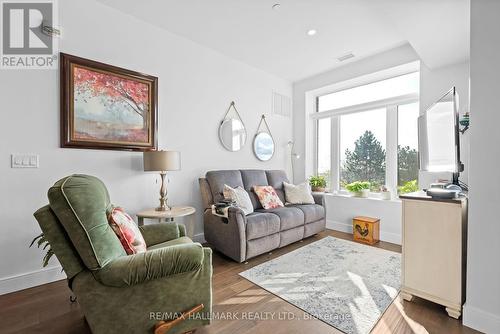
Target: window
[408, 147]
[369, 133]
[397, 86]
[324, 149]
[362, 148]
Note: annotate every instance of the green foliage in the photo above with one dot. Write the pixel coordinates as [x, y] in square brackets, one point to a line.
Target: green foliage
[408, 187]
[357, 186]
[365, 162]
[407, 164]
[317, 181]
[42, 242]
[327, 176]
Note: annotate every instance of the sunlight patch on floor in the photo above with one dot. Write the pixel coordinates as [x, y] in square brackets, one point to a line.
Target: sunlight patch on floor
[253, 292]
[415, 326]
[364, 300]
[390, 290]
[241, 300]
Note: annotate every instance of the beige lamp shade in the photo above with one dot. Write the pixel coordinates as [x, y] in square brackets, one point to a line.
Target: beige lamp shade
[162, 161]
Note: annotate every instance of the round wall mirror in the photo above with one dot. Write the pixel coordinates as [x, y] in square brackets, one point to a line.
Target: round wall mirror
[232, 134]
[263, 146]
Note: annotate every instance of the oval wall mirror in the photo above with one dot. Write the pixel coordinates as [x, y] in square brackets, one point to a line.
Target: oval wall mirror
[232, 134]
[263, 146]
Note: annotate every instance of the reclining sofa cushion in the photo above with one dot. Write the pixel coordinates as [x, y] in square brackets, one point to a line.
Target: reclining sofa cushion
[275, 178]
[261, 224]
[290, 217]
[312, 212]
[251, 178]
[218, 178]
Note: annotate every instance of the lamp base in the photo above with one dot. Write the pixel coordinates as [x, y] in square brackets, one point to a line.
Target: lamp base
[163, 194]
[163, 208]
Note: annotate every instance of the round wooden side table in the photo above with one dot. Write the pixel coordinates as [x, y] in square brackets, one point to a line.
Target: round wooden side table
[169, 216]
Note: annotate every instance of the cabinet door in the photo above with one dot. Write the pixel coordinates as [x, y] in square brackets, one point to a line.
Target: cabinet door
[432, 248]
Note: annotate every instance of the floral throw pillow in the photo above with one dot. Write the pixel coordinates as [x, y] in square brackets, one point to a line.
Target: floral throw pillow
[127, 231]
[268, 197]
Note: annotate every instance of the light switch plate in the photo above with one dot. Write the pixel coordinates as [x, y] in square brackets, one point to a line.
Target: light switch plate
[24, 160]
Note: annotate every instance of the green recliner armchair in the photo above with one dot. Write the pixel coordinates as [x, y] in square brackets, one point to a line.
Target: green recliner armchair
[122, 293]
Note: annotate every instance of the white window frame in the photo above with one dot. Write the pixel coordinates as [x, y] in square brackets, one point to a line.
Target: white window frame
[391, 106]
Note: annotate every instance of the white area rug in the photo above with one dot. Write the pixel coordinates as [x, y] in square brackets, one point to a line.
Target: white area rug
[345, 284]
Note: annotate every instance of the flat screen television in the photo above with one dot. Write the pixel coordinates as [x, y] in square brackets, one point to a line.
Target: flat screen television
[439, 137]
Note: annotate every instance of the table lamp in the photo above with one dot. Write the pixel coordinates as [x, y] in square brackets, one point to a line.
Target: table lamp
[162, 161]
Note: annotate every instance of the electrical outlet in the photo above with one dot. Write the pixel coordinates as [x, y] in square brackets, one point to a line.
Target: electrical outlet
[24, 160]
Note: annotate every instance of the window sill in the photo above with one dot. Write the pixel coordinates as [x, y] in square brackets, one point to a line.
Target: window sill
[371, 197]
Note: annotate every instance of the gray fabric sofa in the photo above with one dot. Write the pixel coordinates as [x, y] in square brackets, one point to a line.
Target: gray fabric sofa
[242, 237]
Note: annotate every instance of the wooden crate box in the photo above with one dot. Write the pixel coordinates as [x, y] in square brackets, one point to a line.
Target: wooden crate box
[366, 229]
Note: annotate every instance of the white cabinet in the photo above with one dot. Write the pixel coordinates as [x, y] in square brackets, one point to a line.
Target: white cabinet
[434, 250]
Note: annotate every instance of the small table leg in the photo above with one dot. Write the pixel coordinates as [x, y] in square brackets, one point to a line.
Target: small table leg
[140, 221]
[190, 220]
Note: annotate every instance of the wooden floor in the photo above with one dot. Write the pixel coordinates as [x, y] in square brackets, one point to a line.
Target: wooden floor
[47, 309]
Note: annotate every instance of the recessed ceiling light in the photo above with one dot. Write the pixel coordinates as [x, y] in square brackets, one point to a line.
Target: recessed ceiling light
[276, 6]
[311, 32]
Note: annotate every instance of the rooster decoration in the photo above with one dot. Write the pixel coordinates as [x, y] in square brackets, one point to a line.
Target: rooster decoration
[362, 231]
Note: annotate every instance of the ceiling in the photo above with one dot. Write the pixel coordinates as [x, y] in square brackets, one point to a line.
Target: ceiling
[276, 40]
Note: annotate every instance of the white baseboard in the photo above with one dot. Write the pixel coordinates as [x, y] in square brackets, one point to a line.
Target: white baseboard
[344, 227]
[480, 320]
[30, 279]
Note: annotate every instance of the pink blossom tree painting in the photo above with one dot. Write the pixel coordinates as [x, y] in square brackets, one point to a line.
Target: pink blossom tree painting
[110, 107]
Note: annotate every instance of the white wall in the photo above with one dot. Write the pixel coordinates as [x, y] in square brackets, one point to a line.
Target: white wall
[342, 209]
[196, 85]
[482, 308]
[434, 83]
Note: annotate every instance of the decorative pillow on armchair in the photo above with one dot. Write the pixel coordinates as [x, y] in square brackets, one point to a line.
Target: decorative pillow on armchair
[127, 231]
[298, 194]
[268, 197]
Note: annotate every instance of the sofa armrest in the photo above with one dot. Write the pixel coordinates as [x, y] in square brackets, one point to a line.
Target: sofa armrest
[155, 234]
[319, 198]
[228, 235]
[152, 264]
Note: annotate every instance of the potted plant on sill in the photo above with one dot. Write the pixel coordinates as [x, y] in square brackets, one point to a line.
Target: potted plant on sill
[359, 188]
[385, 193]
[318, 183]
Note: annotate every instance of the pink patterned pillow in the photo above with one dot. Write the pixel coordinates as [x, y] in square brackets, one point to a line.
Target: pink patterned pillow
[268, 197]
[127, 231]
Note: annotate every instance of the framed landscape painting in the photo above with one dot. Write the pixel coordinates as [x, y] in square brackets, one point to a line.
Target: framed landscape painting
[106, 107]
